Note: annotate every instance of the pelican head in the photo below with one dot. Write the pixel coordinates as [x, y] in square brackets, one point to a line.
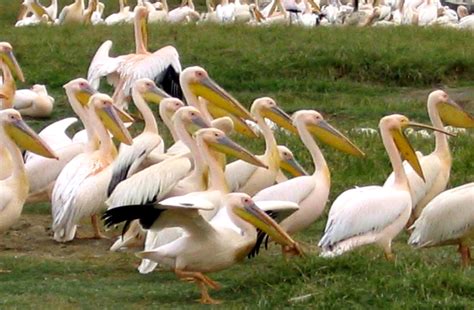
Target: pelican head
[217, 140]
[449, 111]
[395, 125]
[81, 90]
[289, 163]
[245, 208]
[268, 108]
[200, 84]
[191, 118]
[169, 106]
[322, 130]
[107, 113]
[17, 130]
[149, 91]
[7, 57]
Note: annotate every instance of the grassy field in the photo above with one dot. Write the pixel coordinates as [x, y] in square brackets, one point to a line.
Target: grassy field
[353, 76]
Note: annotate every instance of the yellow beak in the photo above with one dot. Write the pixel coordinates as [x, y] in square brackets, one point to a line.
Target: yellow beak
[27, 139]
[197, 122]
[85, 94]
[10, 60]
[226, 146]
[293, 167]
[212, 92]
[124, 116]
[331, 136]
[239, 124]
[277, 115]
[111, 120]
[144, 29]
[155, 95]
[452, 114]
[39, 10]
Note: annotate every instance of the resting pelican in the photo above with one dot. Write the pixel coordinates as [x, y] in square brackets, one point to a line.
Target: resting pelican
[15, 134]
[447, 219]
[73, 13]
[33, 102]
[80, 189]
[437, 165]
[162, 66]
[206, 246]
[289, 164]
[250, 179]
[38, 11]
[123, 16]
[375, 214]
[309, 192]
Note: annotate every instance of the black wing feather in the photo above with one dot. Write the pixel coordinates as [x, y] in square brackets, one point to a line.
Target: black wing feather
[169, 82]
[262, 237]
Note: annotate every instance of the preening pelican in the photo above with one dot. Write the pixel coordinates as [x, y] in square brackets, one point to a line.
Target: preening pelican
[33, 102]
[309, 192]
[447, 219]
[375, 214]
[437, 165]
[15, 134]
[206, 246]
[80, 189]
[250, 179]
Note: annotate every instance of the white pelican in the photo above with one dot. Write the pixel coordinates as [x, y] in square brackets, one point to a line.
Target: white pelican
[184, 13]
[34, 102]
[15, 134]
[162, 66]
[447, 219]
[289, 164]
[225, 11]
[375, 214]
[206, 246]
[243, 177]
[437, 165]
[309, 192]
[80, 189]
[39, 13]
[73, 13]
[123, 16]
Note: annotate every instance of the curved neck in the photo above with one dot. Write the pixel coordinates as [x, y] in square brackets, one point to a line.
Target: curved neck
[140, 45]
[216, 171]
[15, 154]
[200, 166]
[320, 165]
[83, 115]
[164, 4]
[121, 5]
[395, 158]
[271, 149]
[106, 145]
[248, 230]
[145, 111]
[169, 124]
[441, 139]
[8, 88]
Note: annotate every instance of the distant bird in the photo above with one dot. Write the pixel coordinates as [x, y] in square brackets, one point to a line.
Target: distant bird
[34, 102]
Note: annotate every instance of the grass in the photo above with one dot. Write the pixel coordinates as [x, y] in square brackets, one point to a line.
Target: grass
[353, 76]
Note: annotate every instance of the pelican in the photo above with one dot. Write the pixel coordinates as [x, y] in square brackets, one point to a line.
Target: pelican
[123, 16]
[73, 13]
[15, 134]
[206, 246]
[437, 165]
[33, 102]
[80, 189]
[162, 66]
[447, 219]
[309, 192]
[289, 164]
[375, 214]
[250, 179]
[184, 13]
[39, 12]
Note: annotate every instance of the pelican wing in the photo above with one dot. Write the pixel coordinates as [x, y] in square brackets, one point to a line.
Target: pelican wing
[294, 190]
[448, 217]
[104, 65]
[237, 174]
[6, 197]
[151, 184]
[367, 213]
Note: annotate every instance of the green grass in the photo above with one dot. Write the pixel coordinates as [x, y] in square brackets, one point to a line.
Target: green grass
[353, 76]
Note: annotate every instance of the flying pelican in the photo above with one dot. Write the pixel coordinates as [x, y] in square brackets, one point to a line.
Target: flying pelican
[437, 165]
[80, 189]
[375, 214]
[206, 246]
[250, 179]
[447, 219]
[309, 192]
[162, 66]
[15, 134]
[33, 102]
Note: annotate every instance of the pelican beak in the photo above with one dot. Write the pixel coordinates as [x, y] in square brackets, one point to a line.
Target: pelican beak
[277, 115]
[39, 10]
[331, 136]
[405, 148]
[10, 60]
[255, 216]
[27, 139]
[226, 146]
[197, 122]
[124, 116]
[212, 92]
[239, 124]
[85, 94]
[293, 167]
[155, 95]
[452, 114]
[111, 120]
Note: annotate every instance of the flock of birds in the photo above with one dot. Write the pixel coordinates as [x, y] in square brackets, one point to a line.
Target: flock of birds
[299, 12]
[184, 202]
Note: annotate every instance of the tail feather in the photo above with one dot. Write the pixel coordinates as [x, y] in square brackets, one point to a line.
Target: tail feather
[147, 215]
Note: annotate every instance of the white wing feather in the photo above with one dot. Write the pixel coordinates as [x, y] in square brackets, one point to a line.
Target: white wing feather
[294, 190]
[237, 173]
[102, 64]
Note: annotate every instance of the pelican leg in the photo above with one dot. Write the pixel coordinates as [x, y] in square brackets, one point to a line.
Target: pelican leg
[95, 224]
[465, 255]
[387, 251]
[203, 282]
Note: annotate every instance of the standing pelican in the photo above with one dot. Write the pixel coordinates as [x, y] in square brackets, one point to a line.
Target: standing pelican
[375, 214]
[437, 165]
[80, 189]
[15, 134]
[206, 246]
[447, 219]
